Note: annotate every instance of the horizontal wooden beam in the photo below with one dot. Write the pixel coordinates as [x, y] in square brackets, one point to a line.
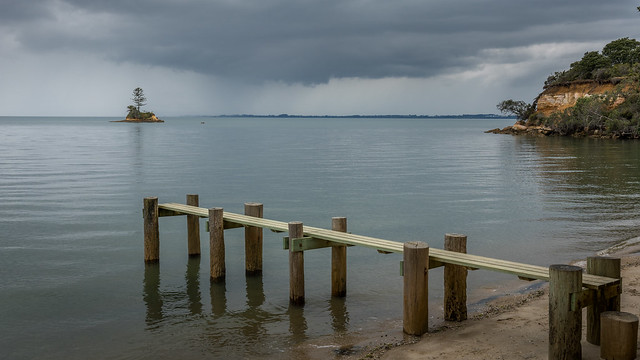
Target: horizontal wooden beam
[164, 212]
[308, 243]
[612, 291]
[582, 299]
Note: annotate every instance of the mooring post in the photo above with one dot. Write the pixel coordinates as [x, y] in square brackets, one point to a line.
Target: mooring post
[296, 266]
[601, 266]
[455, 281]
[193, 228]
[151, 231]
[565, 326]
[339, 260]
[216, 244]
[416, 288]
[253, 241]
[619, 336]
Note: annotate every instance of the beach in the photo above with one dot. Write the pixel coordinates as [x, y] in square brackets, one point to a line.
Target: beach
[512, 327]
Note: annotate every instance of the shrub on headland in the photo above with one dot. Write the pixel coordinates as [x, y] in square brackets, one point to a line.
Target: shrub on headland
[612, 114]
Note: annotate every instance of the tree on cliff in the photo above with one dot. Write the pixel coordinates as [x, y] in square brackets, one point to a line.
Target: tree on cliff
[519, 108]
[623, 51]
[138, 98]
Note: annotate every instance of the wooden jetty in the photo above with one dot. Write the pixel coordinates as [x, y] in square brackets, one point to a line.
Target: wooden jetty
[571, 290]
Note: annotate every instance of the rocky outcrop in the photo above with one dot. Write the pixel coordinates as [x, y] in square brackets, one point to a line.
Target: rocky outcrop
[560, 97]
[152, 119]
[519, 129]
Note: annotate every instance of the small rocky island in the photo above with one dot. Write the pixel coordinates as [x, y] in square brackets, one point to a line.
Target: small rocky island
[135, 115]
[599, 96]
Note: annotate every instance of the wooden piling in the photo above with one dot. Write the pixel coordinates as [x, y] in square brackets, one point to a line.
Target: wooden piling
[601, 266]
[216, 245]
[253, 241]
[193, 228]
[339, 260]
[565, 326]
[296, 266]
[416, 288]
[619, 336]
[455, 281]
[151, 231]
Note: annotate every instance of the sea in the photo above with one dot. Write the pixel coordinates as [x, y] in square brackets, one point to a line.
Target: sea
[74, 285]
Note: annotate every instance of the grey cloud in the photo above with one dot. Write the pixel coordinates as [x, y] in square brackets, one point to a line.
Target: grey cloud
[312, 41]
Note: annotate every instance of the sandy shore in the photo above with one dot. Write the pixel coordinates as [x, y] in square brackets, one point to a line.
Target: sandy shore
[512, 327]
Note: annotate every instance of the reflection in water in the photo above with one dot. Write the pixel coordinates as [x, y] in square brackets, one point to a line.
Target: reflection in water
[218, 292]
[226, 326]
[254, 318]
[151, 294]
[297, 324]
[339, 314]
[592, 186]
[255, 291]
[193, 285]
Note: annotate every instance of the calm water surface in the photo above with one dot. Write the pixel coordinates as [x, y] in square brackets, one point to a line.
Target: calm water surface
[73, 284]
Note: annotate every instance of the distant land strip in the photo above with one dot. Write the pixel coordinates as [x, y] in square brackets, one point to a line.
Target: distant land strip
[463, 116]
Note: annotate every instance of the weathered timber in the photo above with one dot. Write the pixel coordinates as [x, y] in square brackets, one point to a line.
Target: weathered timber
[253, 241]
[416, 288]
[603, 266]
[216, 245]
[455, 281]
[296, 266]
[619, 339]
[193, 228]
[151, 230]
[565, 325]
[339, 260]
[443, 256]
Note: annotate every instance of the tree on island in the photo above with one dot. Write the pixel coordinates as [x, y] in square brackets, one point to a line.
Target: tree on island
[138, 98]
[134, 113]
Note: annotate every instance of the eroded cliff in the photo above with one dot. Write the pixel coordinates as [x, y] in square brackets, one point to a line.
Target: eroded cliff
[560, 97]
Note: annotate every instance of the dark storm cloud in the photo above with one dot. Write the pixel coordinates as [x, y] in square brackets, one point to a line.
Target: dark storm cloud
[307, 41]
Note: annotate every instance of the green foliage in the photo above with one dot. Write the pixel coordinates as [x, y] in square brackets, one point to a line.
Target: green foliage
[134, 110]
[138, 98]
[519, 108]
[622, 51]
[590, 62]
[616, 59]
[134, 113]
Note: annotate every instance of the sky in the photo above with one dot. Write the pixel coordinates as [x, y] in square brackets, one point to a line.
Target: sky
[306, 57]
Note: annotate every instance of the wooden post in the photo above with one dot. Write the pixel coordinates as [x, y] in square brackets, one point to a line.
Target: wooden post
[619, 336]
[339, 260]
[193, 228]
[216, 244]
[151, 231]
[253, 241]
[416, 288]
[455, 281]
[602, 266]
[296, 266]
[565, 326]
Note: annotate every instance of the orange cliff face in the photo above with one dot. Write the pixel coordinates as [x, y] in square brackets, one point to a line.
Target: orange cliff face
[560, 97]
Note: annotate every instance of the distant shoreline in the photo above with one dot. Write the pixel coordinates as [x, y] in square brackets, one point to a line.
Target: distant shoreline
[463, 116]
